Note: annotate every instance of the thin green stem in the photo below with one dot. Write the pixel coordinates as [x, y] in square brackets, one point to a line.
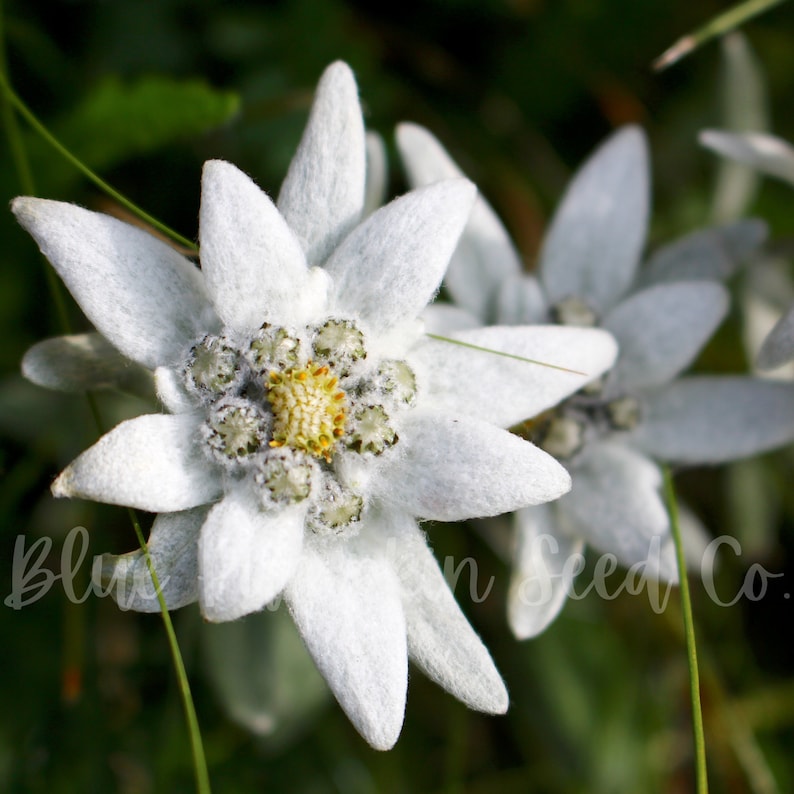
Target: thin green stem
[719, 26]
[9, 101]
[18, 153]
[501, 353]
[689, 629]
[22, 165]
[34, 122]
[199, 759]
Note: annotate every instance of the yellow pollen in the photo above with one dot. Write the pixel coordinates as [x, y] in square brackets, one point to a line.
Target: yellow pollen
[308, 409]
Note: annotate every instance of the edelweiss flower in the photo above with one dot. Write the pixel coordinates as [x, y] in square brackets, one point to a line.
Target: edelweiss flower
[610, 434]
[775, 157]
[311, 423]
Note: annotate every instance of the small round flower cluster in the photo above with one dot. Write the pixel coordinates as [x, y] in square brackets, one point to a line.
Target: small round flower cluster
[591, 412]
[286, 405]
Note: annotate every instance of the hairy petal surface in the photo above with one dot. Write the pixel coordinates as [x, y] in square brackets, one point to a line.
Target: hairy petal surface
[322, 196]
[143, 296]
[778, 347]
[440, 640]
[596, 237]
[520, 301]
[443, 318]
[171, 392]
[709, 254]
[173, 548]
[81, 362]
[505, 390]
[485, 255]
[252, 262]
[152, 463]
[545, 561]
[388, 269]
[765, 153]
[716, 419]
[345, 601]
[616, 506]
[661, 329]
[246, 555]
[456, 467]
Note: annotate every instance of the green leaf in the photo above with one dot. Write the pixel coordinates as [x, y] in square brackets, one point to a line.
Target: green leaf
[119, 120]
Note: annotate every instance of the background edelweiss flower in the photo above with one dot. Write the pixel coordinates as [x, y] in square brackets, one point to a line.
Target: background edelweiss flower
[311, 424]
[609, 437]
[775, 157]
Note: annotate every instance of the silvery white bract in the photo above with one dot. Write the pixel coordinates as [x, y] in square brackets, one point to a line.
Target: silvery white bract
[774, 157]
[310, 423]
[610, 435]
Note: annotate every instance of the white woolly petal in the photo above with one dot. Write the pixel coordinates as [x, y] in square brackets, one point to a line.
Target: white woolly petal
[485, 255]
[660, 331]
[716, 419]
[440, 640]
[322, 196]
[246, 555]
[520, 301]
[171, 391]
[764, 152]
[594, 243]
[616, 506]
[252, 262]
[148, 300]
[545, 561]
[505, 390]
[82, 362]
[713, 254]
[346, 605]
[778, 347]
[444, 318]
[456, 467]
[173, 548]
[152, 462]
[388, 269]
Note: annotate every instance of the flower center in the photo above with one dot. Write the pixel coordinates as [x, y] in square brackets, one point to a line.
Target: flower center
[308, 409]
[574, 311]
[291, 410]
[555, 432]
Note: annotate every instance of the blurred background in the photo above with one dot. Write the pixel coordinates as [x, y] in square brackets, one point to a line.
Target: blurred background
[520, 91]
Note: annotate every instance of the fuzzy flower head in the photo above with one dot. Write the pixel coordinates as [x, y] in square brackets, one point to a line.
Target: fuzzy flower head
[311, 422]
[610, 434]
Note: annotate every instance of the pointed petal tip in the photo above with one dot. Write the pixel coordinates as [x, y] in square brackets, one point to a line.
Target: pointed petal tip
[338, 78]
[215, 171]
[631, 136]
[525, 627]
[62, 487]
[24, 208]
[381, 737]
[407, 133]
[605, 352]
[711, 139]
[212, 167]
[338, 70]
[564, 482]
[498, 703]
